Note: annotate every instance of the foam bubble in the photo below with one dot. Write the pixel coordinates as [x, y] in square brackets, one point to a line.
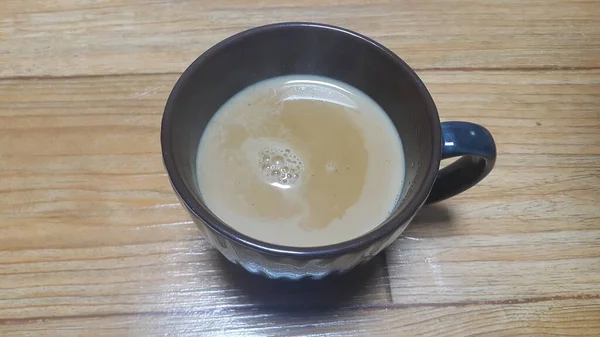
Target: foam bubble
[279, 166]
[278, 160]
[331, 166]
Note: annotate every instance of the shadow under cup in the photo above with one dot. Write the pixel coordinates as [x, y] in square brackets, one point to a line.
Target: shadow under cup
[300, 48]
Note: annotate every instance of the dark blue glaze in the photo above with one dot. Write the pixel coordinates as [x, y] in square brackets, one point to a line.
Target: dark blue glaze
[477, 149]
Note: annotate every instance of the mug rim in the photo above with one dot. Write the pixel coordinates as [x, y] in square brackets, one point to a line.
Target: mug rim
[201, 211]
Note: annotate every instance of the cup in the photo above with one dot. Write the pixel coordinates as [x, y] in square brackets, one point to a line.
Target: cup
[317, 49]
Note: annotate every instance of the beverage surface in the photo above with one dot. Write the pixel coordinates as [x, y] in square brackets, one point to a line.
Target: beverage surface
[301, 161]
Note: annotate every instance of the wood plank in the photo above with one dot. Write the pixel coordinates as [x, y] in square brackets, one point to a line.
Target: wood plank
[94, 242]
[91, 234]
[483, 266]
[69, 38]
[531, 228]
[163, 275]
[563, 318]
[81, 173]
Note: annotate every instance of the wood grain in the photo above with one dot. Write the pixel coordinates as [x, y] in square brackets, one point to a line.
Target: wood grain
[567, 318]
[67, 37]
[94, 242]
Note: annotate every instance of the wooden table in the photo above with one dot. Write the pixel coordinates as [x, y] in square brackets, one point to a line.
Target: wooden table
[93, 241]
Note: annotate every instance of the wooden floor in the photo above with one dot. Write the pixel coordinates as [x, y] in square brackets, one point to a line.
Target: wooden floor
[93, 242]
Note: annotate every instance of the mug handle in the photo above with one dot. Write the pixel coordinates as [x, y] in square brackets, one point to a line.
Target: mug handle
[477, 149]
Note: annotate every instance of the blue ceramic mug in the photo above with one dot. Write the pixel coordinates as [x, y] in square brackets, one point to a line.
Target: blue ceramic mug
[316, 49]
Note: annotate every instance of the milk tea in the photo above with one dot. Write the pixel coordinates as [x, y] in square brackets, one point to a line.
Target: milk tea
[301, 161]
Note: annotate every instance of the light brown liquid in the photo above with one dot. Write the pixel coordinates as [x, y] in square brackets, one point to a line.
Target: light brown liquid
[301, 161]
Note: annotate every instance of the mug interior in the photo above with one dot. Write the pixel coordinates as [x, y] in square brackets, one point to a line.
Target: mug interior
[299, 48]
